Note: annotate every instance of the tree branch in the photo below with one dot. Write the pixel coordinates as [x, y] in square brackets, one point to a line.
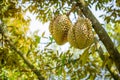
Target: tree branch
[103, 36]
[37, 72]
[100, 52]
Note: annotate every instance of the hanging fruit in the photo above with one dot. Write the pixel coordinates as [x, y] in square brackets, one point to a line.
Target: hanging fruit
[59, 28]
[81, 35]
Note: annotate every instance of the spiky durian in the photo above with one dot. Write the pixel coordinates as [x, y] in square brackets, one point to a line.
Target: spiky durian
[59, 28]
[81, 35]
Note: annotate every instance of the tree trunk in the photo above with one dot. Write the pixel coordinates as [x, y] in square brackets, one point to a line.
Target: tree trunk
[114, 54]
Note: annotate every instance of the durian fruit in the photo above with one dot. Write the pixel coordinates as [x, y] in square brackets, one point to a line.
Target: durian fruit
[80, 35]
[59, 28]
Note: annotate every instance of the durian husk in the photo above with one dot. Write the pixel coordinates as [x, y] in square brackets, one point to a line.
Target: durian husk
[59, 28]
[81, 34]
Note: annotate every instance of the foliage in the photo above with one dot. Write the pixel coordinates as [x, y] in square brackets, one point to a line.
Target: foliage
[51, 61]
[111, 7]
[114, 32]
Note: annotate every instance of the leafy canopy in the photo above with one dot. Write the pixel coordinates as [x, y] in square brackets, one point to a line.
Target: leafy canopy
[51, 61]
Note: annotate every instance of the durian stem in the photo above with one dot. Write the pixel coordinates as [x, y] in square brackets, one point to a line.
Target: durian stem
[104, 37]
[80, 14]
[73, 7]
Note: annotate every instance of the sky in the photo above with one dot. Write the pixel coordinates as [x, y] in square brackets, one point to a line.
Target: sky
[37, 25]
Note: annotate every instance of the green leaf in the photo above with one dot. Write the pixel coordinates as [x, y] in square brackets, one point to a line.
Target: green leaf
[107, 61]
[43, 34]
[84, 56]
[92, 77]
[59, 71]
[37, 39]
[63, 59]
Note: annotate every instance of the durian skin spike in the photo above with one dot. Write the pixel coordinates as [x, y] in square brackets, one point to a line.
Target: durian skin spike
[59, 28]
[81, 35]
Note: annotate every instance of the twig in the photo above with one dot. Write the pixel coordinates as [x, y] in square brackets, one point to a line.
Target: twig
[73, 7]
